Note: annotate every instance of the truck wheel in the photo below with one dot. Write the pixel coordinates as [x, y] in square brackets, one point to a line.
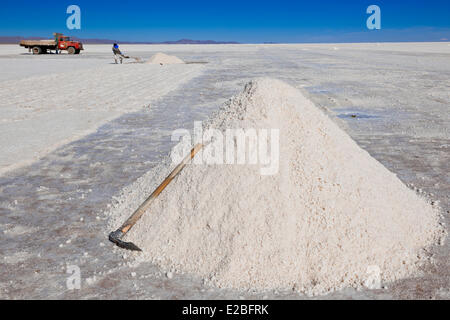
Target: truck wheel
[71, 50]
[37, 50]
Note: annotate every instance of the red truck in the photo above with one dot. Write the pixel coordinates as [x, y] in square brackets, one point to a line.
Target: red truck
[59, 43]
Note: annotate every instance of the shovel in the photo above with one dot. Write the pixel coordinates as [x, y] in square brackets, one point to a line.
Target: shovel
[116, 236]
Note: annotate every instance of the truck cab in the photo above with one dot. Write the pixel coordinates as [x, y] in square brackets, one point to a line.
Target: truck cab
[66, 43]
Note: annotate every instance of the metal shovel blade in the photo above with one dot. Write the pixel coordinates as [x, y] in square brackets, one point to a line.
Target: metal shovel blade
[116, 237]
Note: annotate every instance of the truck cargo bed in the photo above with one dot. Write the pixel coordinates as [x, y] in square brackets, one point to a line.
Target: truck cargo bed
[40, 43]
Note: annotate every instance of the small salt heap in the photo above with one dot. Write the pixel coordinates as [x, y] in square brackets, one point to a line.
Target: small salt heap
[162, 58]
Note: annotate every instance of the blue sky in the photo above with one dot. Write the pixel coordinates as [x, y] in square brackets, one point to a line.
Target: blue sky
[244, 21]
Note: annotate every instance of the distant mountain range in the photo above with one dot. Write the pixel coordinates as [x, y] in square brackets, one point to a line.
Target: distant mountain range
[17, 39]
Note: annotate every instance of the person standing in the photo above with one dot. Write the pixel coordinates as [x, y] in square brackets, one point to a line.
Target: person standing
[57, 42]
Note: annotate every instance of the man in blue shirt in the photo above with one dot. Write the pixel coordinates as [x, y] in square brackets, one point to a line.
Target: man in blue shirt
[118, 54]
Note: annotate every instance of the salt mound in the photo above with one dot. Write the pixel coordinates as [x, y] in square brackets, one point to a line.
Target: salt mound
[330, 217]
[162, 58]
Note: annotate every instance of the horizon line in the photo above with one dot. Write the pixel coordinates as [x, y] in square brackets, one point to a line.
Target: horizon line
[187, 41]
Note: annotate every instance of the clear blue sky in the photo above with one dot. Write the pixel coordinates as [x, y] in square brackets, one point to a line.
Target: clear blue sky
[243, 21]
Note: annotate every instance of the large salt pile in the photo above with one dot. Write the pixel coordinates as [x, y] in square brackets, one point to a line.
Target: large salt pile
[329, 218]
[162, 58]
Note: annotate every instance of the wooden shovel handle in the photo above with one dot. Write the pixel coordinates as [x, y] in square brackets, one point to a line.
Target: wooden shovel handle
[131, 221]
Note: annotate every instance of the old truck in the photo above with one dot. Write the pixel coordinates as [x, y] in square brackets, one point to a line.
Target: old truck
[58, 43]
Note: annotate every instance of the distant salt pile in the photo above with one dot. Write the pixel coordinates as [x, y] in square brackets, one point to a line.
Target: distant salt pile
[162, 58]
[332, 217]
